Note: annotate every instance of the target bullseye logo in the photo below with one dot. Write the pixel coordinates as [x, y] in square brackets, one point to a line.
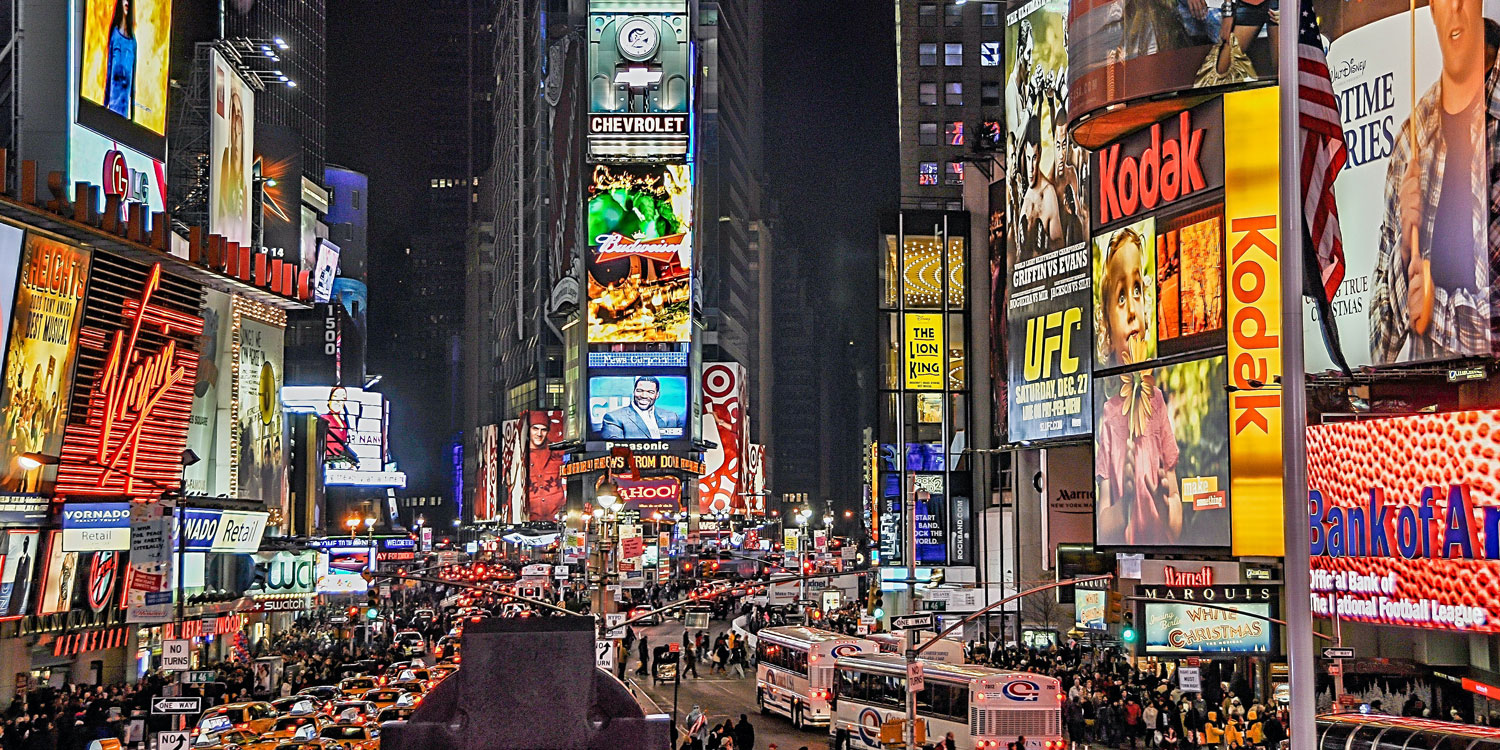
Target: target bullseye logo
[718, 381]
[1022, 690]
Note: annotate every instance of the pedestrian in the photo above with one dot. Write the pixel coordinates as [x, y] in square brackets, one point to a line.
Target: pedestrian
[645, 653]
[697, 723]
[948, 743]
[690, 662]
[737, 660]
[744, 734]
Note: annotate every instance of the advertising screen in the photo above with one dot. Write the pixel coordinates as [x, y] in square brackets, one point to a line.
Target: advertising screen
[512, 471]
[640, 255]
[1089, 609]
[1190, 276]
[487, 473]
[231, 153]
[206, 477]
[545, 492]
[640, 74]
[122, 71]
[642, 407]
[931, 519]
[1044, 229]
[278, 153]
[1419, 281]
[356, 421]
[58, 577]
[1403, 515]
[1161, 456]
[999, 351]
[339, 570]
[1124, 272]
[1123, 53]
[22, 556]
[261, 460]
[1186, 628]
[39, 359]
[922, 348]
[724, 423]
[326, 271]
[12, 243]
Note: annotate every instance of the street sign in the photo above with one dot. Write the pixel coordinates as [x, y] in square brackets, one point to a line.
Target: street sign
[914, 677]
[862, 629]
[385, 591]
[154, 598]
[1338, 652]
[173, 740]
[170, 706]
[339, 619]
[1189, 679]
[695, 620]
[604, 655]
[174, 655]
[1335, 670]
[674, 647]
[198, 677]
[612, 621]
[914, 622]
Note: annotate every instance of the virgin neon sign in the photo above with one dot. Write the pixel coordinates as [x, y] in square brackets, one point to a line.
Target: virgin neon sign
[139, 403]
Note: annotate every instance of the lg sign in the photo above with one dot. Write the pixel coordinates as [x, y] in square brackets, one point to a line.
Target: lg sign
[119, 179]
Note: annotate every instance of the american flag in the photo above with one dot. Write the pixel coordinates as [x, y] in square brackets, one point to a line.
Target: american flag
[1323, 152]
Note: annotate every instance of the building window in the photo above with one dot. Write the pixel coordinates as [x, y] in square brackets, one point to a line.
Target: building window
[927, 134]
[955, 173]
[953, 53]
[927, 173]
[989, 93]
[354, 200]
[953, 93]
[927, 14]
[927, 94]
[953, 133]
[927, 53]
[989, 54]
[989, 14]
[953, 14]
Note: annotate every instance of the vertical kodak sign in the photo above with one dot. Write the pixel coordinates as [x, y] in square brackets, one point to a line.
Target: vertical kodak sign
[924, 351]
[1251, 211]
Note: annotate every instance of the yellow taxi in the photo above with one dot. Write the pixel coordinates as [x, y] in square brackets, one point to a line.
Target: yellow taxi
[441, 671]
[250, 716]
[415, 687]
[353, 687]
[383, 697]
[352, 736]
[286, 727]
[234, 739]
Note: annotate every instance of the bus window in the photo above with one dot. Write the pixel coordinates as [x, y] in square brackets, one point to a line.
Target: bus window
[942, 698]
[1363, 738]
[1434, 741]
[960, 707]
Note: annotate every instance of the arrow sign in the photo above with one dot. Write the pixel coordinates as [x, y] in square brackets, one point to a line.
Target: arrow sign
[914, 622]
[168, 706]
[1338, 652]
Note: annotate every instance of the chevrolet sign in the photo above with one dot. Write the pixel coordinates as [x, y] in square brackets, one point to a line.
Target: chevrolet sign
[638, 124]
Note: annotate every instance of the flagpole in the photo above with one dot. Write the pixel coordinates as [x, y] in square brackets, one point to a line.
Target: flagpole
[1296, 575]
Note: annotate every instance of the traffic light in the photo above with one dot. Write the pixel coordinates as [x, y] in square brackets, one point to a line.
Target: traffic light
[1114, 608]
[1127, 631]
[353, 612]
[875, 602]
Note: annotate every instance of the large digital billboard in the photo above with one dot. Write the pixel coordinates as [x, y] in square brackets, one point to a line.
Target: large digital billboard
[278, 158]
[356, 440]
[39, 359]
[1161, 456]
[638, 407]
[725, 423]
[1412, 198]
[214, 367]
[545, 491]
[1403, 515]
[512, 471]
[1045, 231]
[639, 78]
[231, 153]
[486, 473]
[260, 463]
[1188, 628]
[640, 255]
[22, 553]
[122, 71]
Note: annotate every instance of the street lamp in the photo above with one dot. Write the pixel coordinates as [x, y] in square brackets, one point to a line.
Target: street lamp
[32, 461]
[353, 524]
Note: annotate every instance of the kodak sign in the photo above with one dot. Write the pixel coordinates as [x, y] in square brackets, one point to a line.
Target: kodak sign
[1253, 304]
[1177, 158]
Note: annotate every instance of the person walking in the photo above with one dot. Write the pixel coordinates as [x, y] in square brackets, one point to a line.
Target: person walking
[645, 653]
[737, 661]
[744, 734]
[690, 662]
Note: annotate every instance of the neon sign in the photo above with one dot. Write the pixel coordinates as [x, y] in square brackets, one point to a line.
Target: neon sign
[138, 404]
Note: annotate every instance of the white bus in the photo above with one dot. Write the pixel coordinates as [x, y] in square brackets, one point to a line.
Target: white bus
[794, 671]
[984, 708]
[945, 650]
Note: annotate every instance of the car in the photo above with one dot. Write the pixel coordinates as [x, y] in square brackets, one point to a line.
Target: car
[417, 688]
[440, 672]
[411, 643]
[423, 617]
[352, 736]
[251, 716]
[352, 711]
[446, 648]
[383, 697]
[414, 673]
[323, 693]
[353, 687]
[234, 738]
[296, 704]
[286, 727]
[654, 619]
[395, 713]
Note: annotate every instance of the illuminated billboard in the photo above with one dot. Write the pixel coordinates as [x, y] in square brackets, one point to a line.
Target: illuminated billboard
[639, 78]
[640, 255]
[1161, 456]
[278, 157]
[923, 352]
[638, 407]
[486, 473]
[1236, 623]
[259, 455]
[356, 442]
[135, 375]
[231, 153]
[725, 423]
[39, 359]
[545, 492]
[122, 71]
[1414, 213]
[512, 472]
[1403, 520]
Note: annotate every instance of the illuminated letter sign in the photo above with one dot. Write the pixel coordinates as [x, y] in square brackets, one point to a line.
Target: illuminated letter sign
[1177, 158]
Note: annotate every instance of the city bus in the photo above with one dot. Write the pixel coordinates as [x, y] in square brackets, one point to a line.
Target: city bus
[794, 670]
[1348, 731]
[984, 708]
[945, 650]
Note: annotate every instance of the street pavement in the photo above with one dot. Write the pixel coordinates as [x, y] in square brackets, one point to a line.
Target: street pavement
[722, 697]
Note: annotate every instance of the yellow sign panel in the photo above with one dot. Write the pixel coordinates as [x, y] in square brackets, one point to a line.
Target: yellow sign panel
[1252, 212]
[924, 351]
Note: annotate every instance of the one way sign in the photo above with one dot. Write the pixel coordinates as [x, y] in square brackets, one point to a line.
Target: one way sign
[170, 706]
[914, 622]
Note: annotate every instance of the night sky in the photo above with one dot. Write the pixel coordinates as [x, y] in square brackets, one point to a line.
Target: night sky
[831, 148]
